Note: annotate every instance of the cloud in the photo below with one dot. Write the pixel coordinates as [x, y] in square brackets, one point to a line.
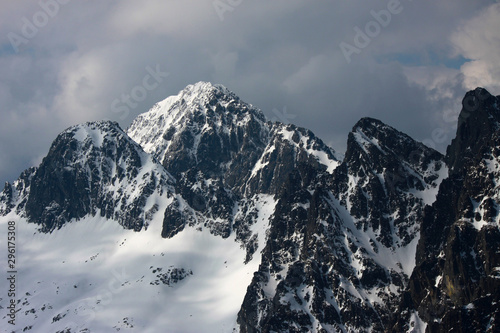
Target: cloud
[180, 18]
[479, 41]
[19, 145]
[281, 55]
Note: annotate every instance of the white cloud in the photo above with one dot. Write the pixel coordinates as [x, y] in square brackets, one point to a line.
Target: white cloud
[479, 40]
[84, 79]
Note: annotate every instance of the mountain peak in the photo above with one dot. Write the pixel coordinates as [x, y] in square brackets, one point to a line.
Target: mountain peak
[204, 92]
[477, 102]
[373, 135]
[202, 103]
[99, 125]
[200, 96]
[204, 87]
[477, 128]
[373, 129]
[94, 130]
[94, 168]
[204, 125]
[368, 122]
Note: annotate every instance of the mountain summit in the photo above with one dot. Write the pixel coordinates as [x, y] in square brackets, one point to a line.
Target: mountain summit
[203, 216]
[93, 168]
[204, 125]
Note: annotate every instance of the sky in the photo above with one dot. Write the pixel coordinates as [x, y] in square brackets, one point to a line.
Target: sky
[322, 65]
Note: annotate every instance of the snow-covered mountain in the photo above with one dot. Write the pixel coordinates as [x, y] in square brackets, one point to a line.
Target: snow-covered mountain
[205, 217]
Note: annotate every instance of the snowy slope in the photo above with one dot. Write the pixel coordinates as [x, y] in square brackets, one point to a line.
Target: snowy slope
[126, 279]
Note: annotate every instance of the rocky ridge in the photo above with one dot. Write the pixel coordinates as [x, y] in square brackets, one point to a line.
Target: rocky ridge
[456, 281]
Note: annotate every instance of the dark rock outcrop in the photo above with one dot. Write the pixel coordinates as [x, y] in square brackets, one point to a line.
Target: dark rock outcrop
[456, 281]
[92, 169]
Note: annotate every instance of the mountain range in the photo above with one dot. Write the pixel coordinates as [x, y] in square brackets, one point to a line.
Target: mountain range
[203, 216]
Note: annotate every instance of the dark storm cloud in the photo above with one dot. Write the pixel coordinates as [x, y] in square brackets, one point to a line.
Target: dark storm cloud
[93, 60]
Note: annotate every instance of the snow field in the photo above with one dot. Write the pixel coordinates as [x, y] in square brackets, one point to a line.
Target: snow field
[94, 274]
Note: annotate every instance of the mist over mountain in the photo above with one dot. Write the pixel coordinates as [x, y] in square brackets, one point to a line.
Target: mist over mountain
[203, 216]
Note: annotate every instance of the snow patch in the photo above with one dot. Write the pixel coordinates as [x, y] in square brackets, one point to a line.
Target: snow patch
[417, 325]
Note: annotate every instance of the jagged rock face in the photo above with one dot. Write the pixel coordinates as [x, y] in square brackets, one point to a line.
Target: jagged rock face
[337, 254]
[95, 169]
[456, 282]
[209, 140]
[385, 180]
[222, 150]
[477, 131]
[289, 148]
[14, 196]
[205, 127]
